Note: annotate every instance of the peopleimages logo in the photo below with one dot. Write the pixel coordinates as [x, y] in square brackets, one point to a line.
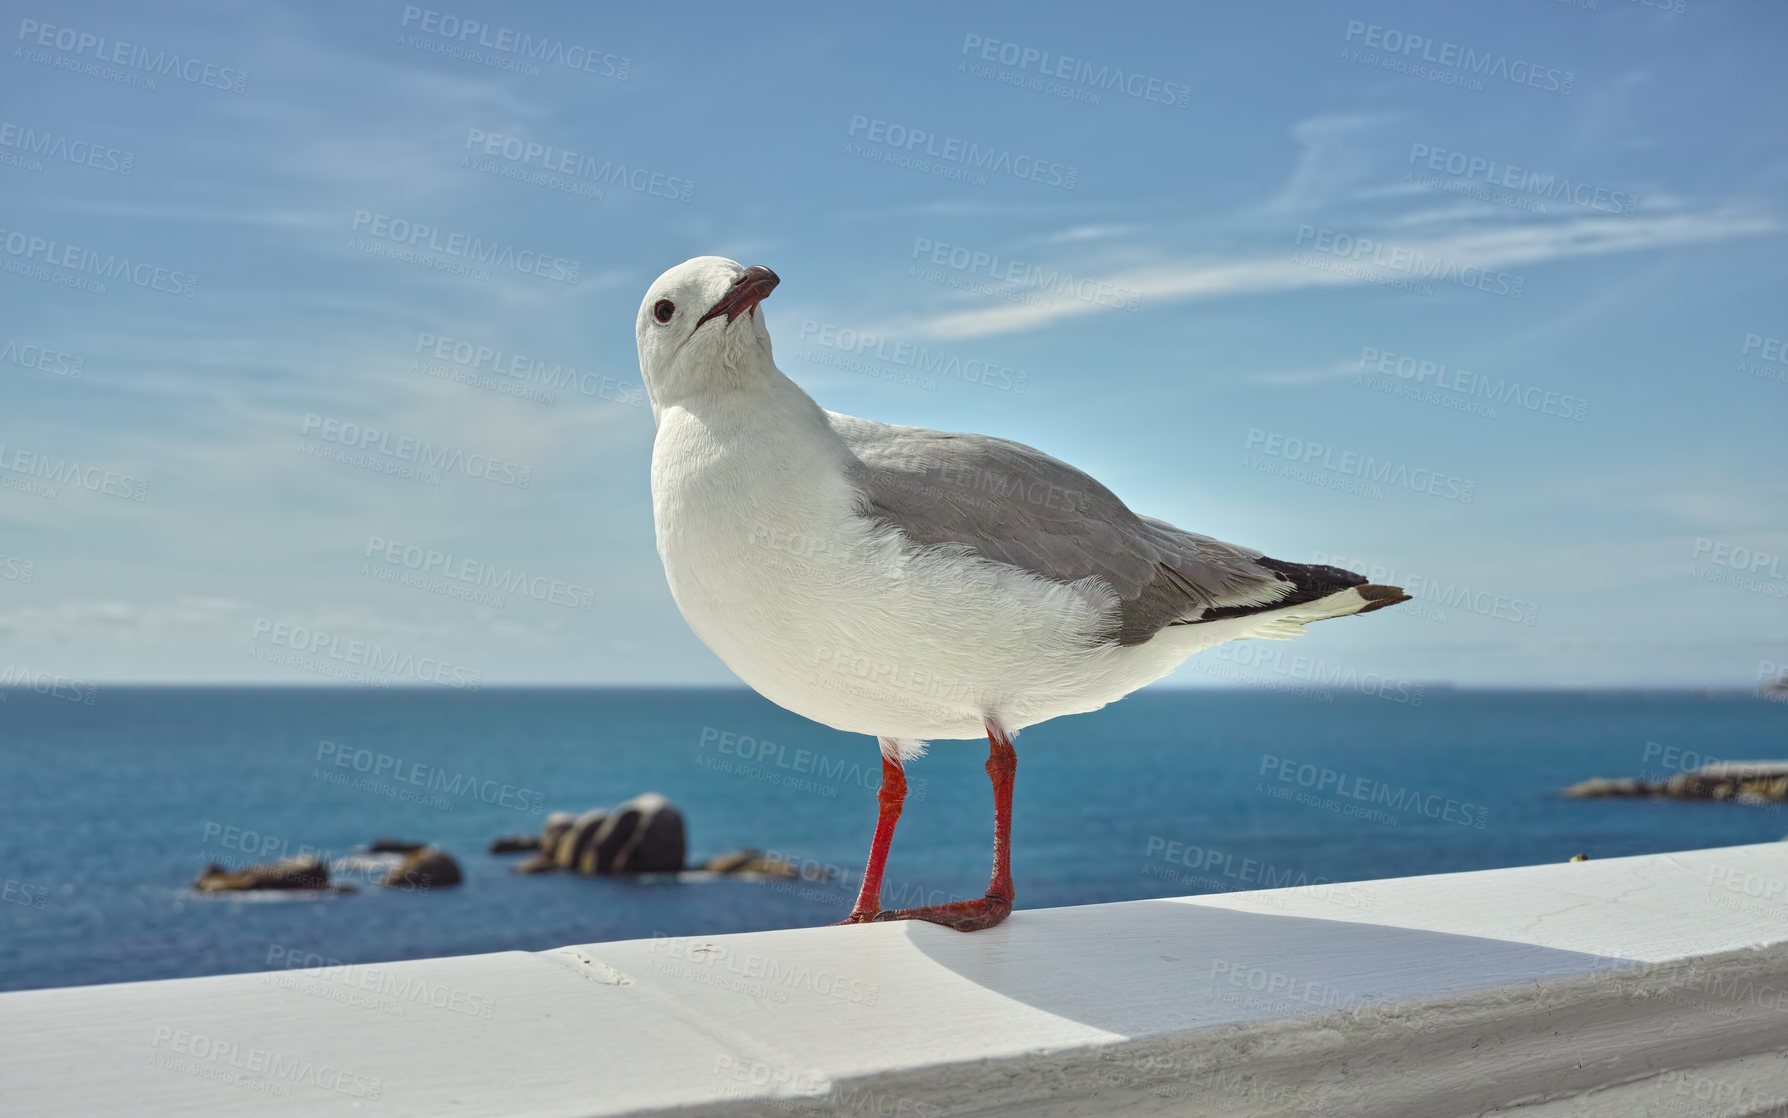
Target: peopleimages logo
[79, 692]
[418, 774]
[311, 973]
[350, 654]
[547, 158]
[14, 569]
[62, 471]
[920, 358]
[767, 761]
[77, 47]
[1306, 675]
[1676, 759]
[32, 249]
[1551, 187]
[1366, 468]
[415, 235]
[1344, 787]
[1774, 358]
[49, 145]
[417, 452]
[1762, 572]
[1452, 595]
[1398, 47]
[966, 154]
[508, 49]
[1476, 386]
[1410, 261]
[1073, 72]
[1250, 872]
[1740, 558]
[429, 562]
[28, 355]
[261, 1069]
[516, 374]
[1018, 273]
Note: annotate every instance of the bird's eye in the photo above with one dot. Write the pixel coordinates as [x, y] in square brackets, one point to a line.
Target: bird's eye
[663, 311]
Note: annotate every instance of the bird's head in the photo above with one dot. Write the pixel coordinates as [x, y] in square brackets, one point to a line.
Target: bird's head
[700, 321]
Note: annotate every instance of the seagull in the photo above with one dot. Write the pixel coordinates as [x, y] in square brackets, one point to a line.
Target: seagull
[916, 585]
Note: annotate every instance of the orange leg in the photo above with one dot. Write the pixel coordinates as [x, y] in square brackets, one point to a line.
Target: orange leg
[891, 797]
[984, 912]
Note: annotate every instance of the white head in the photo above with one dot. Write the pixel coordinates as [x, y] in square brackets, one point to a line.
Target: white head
[699, 327]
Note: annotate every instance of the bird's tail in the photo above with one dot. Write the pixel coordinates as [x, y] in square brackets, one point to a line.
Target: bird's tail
[1318, 593]
[1289, 621]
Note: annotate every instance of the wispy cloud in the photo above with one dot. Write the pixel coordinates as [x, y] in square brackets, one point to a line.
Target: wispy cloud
[1208, 278]
[1079, 233]
[47, 625]
[1334, 155]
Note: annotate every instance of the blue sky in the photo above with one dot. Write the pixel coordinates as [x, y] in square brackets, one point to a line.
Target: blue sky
[1487, 296]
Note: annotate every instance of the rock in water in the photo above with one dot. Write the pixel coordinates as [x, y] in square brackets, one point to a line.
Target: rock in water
[556, 825]
[643, 835]
[577, 838]
[733, 861]
[749, 861]
[546, 847]
[307, 872]
[1599, 788]
[394, 846]
[1741, 781]
[428, 868]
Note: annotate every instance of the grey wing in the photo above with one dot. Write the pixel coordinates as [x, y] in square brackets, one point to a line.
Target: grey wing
[1006, 502]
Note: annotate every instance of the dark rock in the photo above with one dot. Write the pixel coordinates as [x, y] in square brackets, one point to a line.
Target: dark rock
[307, 872]
[577, 838]
[552, 834]
[394, 846]
[428, 868]
[643, 835]
[1689, 786]
[733, 861]
[556, 825]
[515, 844]
[750, 861]
[1602, 788]
[1722, 781]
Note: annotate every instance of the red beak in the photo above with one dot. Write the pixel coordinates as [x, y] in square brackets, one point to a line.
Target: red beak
[751, 288]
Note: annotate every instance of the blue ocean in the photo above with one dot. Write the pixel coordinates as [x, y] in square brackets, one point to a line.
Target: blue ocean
[111, 809]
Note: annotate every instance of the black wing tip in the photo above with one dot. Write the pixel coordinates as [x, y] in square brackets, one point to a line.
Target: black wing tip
[1313, 578]
[1378, 597]
[1309, 582]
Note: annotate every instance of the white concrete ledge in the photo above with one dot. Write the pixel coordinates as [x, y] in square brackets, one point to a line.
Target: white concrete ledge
[1636, 986]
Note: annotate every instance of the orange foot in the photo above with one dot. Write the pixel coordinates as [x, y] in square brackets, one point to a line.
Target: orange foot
[964, 916]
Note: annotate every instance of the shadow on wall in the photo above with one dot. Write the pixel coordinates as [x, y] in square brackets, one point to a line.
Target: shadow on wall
[1142, 967]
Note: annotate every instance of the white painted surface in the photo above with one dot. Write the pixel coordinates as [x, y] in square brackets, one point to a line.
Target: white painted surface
[1431, 996]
